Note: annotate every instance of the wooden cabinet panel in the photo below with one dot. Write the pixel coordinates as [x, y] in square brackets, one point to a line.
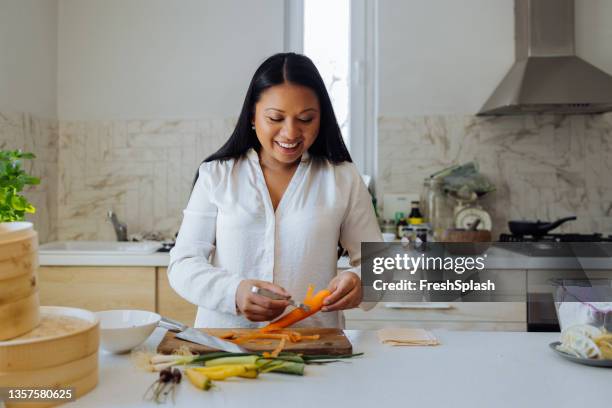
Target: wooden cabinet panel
[446, 325]
[475, 312]
[171, 304]
[98, 288]
[507, 316]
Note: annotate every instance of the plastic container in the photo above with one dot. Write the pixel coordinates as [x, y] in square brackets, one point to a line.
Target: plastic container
[583, 301]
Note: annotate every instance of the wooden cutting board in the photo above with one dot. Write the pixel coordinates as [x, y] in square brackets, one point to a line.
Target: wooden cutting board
[331, 341]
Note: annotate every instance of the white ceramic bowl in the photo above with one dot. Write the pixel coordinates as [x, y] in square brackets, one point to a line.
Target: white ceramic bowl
[122, 330]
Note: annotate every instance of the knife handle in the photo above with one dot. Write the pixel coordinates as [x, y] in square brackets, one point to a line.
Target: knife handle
[172, 325]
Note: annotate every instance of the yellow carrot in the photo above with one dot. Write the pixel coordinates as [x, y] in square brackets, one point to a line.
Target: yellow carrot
[200, 380]
[220, 373]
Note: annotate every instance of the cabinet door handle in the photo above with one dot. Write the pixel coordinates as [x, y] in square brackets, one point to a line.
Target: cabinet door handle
[418, 306]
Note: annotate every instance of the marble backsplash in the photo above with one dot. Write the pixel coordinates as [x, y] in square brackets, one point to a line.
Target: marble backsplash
[39, 136]
[544, 167]
[141, 169]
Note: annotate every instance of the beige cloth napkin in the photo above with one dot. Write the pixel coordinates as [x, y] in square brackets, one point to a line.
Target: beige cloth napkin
[407, 337]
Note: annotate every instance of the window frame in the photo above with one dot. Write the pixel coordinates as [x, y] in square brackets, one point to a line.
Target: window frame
[363, 90]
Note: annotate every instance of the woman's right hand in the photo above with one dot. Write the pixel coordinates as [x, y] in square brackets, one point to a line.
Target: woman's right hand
[259, 308]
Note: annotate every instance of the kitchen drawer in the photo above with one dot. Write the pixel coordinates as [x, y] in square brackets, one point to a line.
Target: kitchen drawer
[539, 279]
[170, 304]
[483, 314]
[98, 288]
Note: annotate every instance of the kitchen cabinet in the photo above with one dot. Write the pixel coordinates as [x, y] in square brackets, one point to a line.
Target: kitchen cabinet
[113, 287]
[480, 316]
[510, 315]
[170, 304]
[98, 287]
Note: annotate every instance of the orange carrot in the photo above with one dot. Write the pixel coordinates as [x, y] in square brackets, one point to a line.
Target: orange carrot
[311, 337]
[314, 302]
[309, 292]
[253, 336]
[278, 348]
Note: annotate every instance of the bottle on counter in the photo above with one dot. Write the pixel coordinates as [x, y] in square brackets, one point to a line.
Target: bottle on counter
[421, 234]
[415, 217]
[400, 223]
[388, 226]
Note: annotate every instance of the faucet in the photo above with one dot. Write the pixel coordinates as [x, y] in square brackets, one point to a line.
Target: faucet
[120, 227]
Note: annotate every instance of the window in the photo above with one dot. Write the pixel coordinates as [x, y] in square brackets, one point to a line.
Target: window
[339, 36]
[326, 42]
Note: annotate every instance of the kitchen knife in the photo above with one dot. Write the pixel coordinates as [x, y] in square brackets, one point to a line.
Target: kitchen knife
[275, 296]
[195, 336]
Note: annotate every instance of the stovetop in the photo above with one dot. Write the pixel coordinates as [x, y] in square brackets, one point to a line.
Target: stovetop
[559, 245]
[596, 237]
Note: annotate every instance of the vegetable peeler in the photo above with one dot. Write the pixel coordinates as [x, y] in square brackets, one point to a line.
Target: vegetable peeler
[275, 296]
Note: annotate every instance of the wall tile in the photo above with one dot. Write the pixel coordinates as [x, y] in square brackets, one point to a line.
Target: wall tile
[40, 136]
[142, 169]
[545, 166]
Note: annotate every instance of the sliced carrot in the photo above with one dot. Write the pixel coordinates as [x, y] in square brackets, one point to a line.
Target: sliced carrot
[226, 336]
[278, 348]
[311, 337]
[314, 302]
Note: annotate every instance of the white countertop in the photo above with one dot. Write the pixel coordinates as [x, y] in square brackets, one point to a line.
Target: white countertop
[155, 259]
[469, 369]
[499, 258]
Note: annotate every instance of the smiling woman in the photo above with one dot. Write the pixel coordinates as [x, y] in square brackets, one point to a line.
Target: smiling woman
[272, 205]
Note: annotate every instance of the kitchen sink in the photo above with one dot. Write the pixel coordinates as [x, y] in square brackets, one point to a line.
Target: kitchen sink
[99, 248]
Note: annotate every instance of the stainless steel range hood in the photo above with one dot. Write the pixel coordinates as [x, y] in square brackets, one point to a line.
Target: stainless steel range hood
[547, 76]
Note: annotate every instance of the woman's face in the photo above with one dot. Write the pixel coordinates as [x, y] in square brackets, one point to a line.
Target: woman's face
[287, 120]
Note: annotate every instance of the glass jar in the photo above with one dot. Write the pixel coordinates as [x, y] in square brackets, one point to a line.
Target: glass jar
[424, 198]
[440, 209]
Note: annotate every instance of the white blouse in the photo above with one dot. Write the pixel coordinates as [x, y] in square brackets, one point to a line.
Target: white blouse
[230, 216]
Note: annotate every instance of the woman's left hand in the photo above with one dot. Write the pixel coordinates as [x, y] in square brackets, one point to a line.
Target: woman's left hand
[345, 292]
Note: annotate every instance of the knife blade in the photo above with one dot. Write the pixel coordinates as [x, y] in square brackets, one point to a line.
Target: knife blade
[195, 336]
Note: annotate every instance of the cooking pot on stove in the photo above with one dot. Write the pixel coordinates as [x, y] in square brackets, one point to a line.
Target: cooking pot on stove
[535, 228]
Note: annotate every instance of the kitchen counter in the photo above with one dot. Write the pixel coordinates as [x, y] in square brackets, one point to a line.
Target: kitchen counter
[469, 369]
[160, 259]
[498, 258]
[156, 259]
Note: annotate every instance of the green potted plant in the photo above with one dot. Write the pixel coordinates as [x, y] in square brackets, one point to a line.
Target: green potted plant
[18, 249]
[13, 179]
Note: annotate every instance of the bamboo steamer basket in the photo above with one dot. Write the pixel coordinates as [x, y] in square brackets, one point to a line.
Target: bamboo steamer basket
[17, 239]
[19, 317]
[13, 267]
[81, 386]
[19, 287]
[18, 282]
[57, 354]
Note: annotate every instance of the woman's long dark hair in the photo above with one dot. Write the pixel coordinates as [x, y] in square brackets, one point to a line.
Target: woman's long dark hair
[276, 70]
